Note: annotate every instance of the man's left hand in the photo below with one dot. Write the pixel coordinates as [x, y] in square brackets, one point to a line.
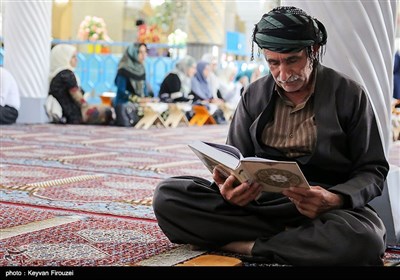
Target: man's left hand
[312, 202]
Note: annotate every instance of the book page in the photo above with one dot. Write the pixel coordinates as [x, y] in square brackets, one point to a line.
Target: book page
[261, 159]
[208, 153]
[210, 163]
[275, 176]
[231, 150]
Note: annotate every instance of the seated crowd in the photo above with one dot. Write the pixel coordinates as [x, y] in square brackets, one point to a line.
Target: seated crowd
[191, 83]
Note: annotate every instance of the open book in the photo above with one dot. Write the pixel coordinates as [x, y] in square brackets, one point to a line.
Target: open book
[273, 175]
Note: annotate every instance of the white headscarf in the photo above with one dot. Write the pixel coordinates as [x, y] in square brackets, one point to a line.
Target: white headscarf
[181, 69]
[213, 81]
[60, 59]
[229, 89]
[209, 57]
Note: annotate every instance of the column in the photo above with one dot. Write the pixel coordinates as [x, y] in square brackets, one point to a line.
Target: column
[27, 42]
[250, 13]
[361, 40]
[206, 22]
[361, 46]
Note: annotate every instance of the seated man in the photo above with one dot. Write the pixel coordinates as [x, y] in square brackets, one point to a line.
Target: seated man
[9, 98]
[304, 112]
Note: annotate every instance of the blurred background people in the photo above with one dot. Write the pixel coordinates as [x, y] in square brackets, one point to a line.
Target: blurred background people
[200, 86]
[9, 97]
[176, 86]
[202, 93]
[230, 89]
[396, 77]
[212, 79]
[64, 86]
[396, 98]
[132, 89]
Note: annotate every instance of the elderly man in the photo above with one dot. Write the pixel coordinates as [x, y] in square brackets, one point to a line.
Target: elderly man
[302, 112]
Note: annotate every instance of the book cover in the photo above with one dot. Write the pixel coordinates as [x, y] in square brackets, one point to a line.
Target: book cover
[273, 175]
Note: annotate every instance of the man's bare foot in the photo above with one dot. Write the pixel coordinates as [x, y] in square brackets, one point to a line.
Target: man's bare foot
[240, 247]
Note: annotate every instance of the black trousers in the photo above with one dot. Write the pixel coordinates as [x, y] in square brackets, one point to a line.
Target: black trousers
[191, 210]
[8, 115]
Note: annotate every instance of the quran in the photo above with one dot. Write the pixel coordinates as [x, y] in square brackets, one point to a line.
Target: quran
[273, 175]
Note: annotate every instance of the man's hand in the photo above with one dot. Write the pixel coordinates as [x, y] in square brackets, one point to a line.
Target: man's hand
[314, 201]
[241, 194]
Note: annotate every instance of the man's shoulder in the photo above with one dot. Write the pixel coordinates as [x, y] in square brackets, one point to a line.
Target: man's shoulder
[258, 94]
[326, 73]
[262, 82]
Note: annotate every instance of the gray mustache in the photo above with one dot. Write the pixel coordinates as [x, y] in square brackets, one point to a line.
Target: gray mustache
[290, 79]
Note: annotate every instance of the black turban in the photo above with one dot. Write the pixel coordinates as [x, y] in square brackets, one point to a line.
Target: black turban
[288, 29]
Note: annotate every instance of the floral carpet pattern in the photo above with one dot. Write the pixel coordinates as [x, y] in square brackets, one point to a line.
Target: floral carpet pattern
[62, 238]
[73, 195]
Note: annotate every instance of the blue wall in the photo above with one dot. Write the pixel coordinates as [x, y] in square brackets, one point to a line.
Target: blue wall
[97, 72]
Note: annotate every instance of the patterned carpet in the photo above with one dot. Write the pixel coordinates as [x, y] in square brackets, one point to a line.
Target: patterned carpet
[95, 168]
[37, 237]
[81, 195]
[74, 195]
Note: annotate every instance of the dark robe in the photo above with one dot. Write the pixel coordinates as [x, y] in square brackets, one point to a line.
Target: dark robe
[170, 90]
[348, 159]
[60, 87]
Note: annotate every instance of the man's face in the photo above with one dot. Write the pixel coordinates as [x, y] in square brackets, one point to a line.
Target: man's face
[291, 71]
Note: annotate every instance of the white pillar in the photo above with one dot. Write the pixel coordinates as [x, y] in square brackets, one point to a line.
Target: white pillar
[27, 43]
[361, 44]
[250, 13]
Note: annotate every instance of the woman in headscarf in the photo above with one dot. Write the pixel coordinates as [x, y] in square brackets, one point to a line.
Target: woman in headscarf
[176, 86]
[212, 79]
[200, 85]
[202, 93]
[131, 85]
[229, 88]
[64, 86]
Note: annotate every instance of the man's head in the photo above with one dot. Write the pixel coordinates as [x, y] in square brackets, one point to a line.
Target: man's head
[290, 40]
[290, 29]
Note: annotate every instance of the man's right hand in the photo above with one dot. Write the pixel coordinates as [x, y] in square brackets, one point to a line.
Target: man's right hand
[241, 194]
